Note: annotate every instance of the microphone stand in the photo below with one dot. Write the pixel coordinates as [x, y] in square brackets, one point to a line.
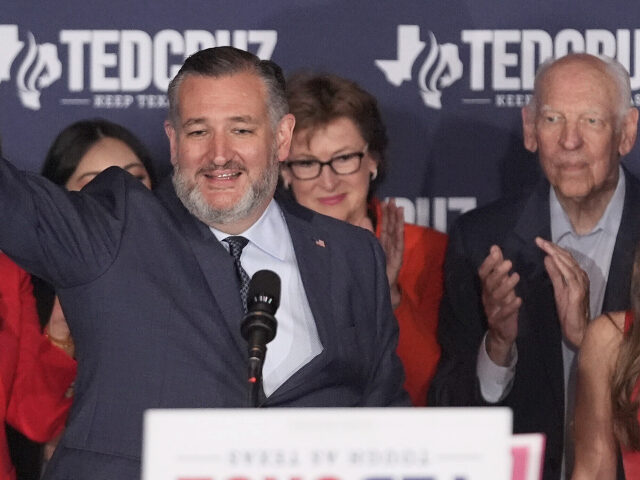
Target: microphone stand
[259, 328]
[254, 381]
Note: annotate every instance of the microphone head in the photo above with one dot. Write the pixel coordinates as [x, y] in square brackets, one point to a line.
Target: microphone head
[264, 292]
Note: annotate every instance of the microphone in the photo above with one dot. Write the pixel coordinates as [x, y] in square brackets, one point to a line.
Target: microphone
[259, 324]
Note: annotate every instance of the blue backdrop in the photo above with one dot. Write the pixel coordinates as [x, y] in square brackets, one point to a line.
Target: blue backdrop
[450, 75]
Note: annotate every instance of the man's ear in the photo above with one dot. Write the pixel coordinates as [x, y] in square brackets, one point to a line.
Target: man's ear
[173, 143]
[628, 131]
[529, 129]
[284, 134]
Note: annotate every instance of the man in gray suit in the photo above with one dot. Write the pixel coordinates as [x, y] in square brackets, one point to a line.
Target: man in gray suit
[524, 276]
[150, 282]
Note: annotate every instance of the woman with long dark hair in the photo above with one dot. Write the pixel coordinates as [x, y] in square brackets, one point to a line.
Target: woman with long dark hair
[80, 152]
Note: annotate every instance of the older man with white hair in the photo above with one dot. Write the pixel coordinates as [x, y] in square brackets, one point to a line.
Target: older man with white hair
[524, 276]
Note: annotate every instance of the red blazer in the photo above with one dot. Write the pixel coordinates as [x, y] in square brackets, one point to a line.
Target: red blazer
[34, 374]
[420, 281]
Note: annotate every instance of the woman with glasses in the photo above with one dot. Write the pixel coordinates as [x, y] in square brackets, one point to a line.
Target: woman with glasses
[335, 164]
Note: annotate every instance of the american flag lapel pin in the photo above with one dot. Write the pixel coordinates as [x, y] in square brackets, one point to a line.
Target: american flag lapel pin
[320, 243]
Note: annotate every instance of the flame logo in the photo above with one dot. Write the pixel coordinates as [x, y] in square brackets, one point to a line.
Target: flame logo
[447, 70]
[39, 69]
[441, 68]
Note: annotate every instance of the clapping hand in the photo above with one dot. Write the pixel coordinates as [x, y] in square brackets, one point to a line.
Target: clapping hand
[570, 288]
[501, 304]
[392, 241]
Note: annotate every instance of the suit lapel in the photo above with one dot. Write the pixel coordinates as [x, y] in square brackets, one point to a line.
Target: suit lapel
[538, 320]
[313, 254]
[616, 295]
[215, 263]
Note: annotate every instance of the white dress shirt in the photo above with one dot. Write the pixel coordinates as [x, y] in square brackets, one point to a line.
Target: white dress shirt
[296, 341]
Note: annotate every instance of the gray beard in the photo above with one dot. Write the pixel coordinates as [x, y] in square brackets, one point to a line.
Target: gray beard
[255, 196]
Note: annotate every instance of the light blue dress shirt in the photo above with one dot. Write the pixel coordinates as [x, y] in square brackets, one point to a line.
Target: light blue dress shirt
[296, 341]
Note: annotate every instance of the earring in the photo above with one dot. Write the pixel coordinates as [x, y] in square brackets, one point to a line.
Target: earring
[374, 174]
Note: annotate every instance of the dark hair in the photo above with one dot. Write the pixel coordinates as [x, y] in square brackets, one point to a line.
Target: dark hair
[318, 99]
[224, 61]
[625, 375]
[74, 142]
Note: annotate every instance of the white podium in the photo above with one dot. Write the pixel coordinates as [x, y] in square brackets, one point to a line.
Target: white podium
[328, 444]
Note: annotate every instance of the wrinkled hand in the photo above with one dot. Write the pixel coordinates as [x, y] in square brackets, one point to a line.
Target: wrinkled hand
[501, 305]
[570, 289]
[392, 241]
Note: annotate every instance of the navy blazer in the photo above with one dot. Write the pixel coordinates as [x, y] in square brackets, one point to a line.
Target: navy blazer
[537, 396]
[152, 300]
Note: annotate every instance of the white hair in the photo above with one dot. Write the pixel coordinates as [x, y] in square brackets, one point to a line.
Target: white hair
[617, 72]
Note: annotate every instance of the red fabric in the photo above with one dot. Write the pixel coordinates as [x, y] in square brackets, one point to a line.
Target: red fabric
[628, 320]
[420, 281]
[34, 374]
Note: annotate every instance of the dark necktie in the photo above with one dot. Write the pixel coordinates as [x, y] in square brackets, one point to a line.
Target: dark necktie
[236, 244]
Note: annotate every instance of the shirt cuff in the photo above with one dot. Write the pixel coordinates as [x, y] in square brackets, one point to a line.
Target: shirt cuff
[495, 381]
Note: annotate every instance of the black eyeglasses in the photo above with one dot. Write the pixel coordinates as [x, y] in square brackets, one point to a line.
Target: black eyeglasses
[345, 164]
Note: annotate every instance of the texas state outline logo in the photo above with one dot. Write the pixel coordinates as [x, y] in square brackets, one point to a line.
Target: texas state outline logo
[39, 68]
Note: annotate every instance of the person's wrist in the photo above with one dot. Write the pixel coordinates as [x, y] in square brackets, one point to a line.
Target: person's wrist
[499, 350]
[575, 337]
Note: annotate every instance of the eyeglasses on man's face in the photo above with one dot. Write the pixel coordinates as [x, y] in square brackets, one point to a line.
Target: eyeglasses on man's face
[345, 164]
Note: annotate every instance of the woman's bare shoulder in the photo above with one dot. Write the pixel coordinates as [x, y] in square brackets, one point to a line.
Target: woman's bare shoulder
[610, 323]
